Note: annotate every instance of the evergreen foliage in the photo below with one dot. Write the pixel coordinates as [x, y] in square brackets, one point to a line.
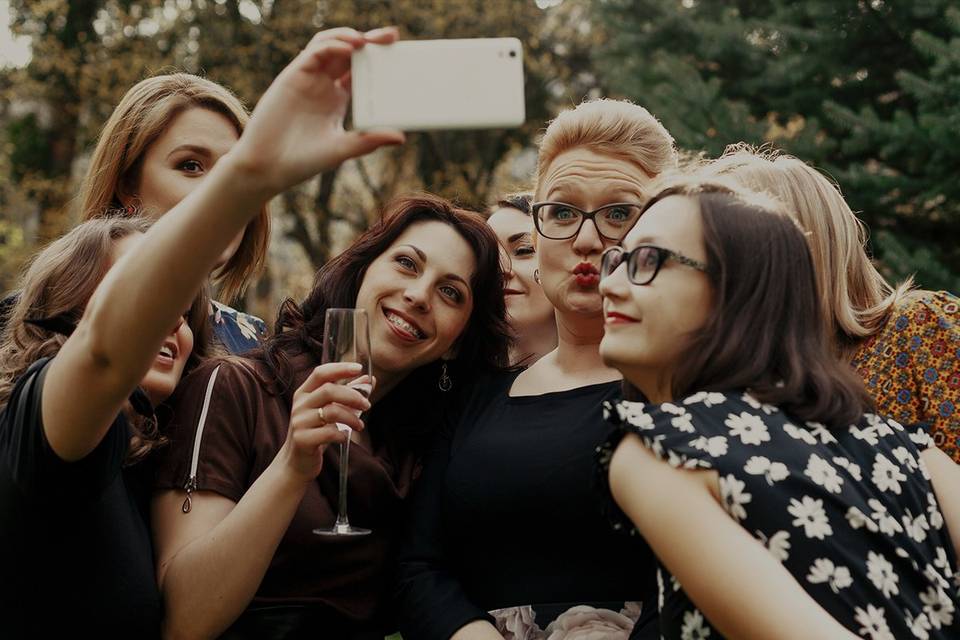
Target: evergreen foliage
[868, 91]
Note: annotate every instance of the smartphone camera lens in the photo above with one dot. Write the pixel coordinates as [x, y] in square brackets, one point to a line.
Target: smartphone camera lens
[513, 54]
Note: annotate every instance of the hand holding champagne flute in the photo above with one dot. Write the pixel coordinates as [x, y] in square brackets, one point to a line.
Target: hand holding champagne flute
[346, 338]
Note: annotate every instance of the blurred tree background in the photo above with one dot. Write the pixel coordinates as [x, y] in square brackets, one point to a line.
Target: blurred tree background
[868, 90]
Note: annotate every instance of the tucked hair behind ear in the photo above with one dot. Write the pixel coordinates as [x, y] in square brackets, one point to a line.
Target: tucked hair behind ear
[765, 333]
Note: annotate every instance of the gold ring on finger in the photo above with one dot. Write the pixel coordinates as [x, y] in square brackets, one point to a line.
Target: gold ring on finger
[320, 413]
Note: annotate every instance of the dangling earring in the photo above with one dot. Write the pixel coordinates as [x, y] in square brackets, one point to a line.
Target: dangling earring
[536, 276]
[445, 383]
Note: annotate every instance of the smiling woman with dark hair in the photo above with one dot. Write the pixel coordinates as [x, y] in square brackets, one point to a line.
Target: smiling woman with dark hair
[428, 277]
[824, 519]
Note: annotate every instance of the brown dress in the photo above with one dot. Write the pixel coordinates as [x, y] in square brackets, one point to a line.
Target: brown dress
[336, 582]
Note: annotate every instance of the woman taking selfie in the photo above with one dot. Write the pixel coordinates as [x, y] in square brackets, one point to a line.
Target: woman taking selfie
[824, 520]
[489, 554]
[531, 314]
[74, 471]
[903, 342]
[159, 144]
[75, 534]
[428, 277]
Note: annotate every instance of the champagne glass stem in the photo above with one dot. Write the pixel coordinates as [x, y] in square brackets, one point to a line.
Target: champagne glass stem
[342, 500]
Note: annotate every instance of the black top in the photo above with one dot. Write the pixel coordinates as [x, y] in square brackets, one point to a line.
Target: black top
[849, 512]
[506, 514]
[74, 539]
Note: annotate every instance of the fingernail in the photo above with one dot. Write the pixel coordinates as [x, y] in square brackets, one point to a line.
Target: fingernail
[373, 33]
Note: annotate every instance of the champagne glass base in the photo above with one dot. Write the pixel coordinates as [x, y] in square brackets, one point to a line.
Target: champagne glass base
[342, 530]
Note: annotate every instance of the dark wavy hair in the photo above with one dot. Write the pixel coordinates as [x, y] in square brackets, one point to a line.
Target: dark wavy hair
[765, 332]
[482, 346]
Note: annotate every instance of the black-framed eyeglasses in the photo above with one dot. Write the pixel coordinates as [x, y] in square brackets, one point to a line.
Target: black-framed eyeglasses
[560, 221]
[643, 262]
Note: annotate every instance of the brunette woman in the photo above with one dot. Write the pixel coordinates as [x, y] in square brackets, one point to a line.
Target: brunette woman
[531, 314]
[778, 504]
[234, 537]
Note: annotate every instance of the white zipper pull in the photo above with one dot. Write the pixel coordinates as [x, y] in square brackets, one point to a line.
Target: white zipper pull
[191, 484]
[189, 487]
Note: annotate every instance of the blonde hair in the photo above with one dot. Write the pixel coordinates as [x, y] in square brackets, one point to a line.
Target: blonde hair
[856, 299]
[58, 283]
[615, 128]
[142, 116]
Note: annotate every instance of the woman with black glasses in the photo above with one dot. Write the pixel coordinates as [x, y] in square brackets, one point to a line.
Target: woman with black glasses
[506, 538]
[778, 503]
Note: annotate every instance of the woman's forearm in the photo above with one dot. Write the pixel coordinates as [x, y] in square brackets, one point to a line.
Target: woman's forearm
[150, 287]
[135, 307]
[209, 582]
[477, 630]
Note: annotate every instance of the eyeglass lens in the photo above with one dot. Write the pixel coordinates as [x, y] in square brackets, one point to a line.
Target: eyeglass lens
[564, 221]
[642, 263]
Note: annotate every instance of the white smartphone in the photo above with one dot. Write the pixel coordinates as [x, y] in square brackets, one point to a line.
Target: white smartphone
[417, 85]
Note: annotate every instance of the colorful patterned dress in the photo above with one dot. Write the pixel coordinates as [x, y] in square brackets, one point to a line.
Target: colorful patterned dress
[912, 367]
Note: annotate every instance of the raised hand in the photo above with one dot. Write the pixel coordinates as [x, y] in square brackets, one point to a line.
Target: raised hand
[297, 127]
[318, 405]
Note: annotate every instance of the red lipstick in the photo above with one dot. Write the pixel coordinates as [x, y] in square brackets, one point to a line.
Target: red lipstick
[586, 275]
[613, 317]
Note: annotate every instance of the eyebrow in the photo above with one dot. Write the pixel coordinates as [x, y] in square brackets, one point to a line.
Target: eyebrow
[623, 196]
[518, 236]
[423, 258]
[198, 149]
[641, 240]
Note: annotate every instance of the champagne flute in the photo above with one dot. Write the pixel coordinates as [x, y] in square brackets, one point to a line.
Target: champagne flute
[346, 338]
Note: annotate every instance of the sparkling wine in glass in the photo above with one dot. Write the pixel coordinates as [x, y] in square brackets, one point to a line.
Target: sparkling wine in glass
[346, 338]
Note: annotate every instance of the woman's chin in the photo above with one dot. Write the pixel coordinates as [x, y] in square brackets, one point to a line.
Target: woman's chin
[157, 388]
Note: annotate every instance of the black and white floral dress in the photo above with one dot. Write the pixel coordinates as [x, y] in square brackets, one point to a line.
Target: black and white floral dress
[850, 513]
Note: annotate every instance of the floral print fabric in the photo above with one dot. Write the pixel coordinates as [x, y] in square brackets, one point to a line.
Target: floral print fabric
[237, 331]
[580, 622]
[912, 367]
[850, 513]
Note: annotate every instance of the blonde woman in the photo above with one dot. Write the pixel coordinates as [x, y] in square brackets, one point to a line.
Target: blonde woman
[525, 549]
[159, 144]
[904, 343]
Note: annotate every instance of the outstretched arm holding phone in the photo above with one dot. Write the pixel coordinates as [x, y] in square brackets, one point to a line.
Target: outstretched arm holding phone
[208, 577]
[296, 132]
